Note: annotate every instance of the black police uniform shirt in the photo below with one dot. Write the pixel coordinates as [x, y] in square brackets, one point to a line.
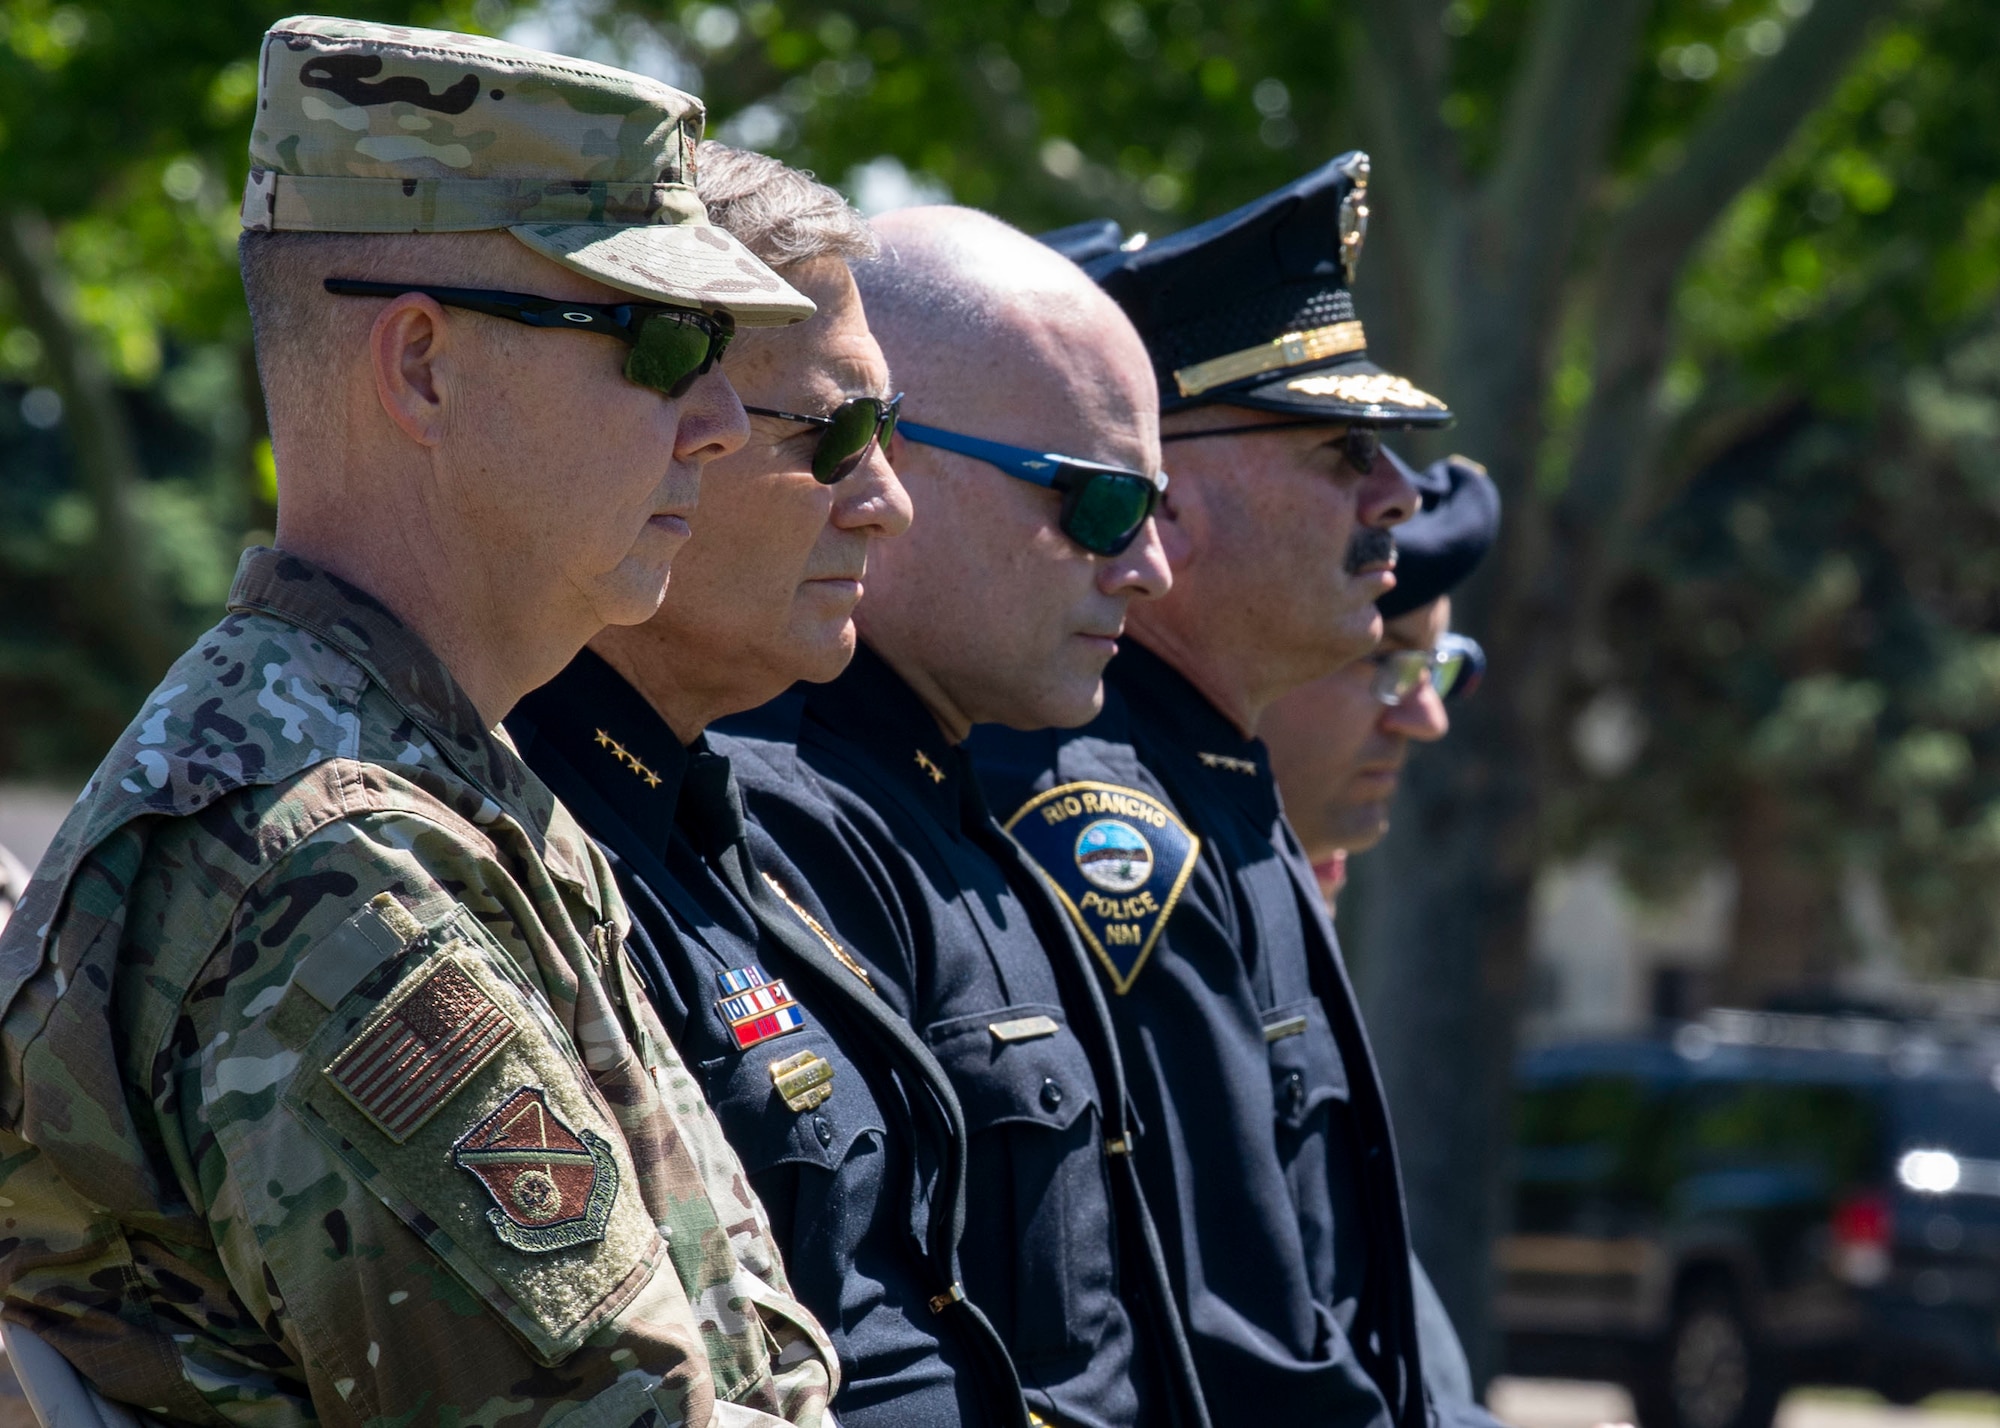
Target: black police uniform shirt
[771, 1015]
[1266, 1157]
[857, 785]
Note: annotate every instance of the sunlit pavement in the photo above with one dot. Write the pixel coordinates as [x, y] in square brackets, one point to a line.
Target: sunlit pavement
[1561, 1403]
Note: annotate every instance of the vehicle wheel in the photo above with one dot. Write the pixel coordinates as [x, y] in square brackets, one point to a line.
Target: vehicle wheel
[1709, 1372]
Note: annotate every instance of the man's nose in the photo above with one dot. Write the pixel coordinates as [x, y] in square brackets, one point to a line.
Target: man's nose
[712, 420]
[1140, 569]
[1421, 717]
[1387, 498]
[871, 497]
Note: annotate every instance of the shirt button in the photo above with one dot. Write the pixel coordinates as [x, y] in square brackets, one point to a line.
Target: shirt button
[1052, 1094]
[1295, 1091]
[822, 1130]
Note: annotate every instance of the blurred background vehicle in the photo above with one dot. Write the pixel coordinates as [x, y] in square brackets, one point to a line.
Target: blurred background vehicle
[1754, 1201]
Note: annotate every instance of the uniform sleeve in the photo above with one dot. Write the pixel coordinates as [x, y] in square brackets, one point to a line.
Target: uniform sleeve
[412, 1182]
[1447, 1375]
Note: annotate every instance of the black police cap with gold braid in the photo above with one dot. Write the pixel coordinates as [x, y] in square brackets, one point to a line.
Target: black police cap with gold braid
[1253, 308]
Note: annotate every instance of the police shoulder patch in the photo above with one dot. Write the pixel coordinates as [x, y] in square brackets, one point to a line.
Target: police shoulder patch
[1117, 858]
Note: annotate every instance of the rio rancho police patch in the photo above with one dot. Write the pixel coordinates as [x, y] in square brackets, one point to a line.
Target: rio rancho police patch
[1118, 859]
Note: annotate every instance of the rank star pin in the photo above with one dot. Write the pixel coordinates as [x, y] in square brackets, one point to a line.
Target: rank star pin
[924, 763]
[618, 752]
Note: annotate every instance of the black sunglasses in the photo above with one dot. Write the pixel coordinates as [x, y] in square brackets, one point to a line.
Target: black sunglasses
[1360, 445]
[850, 430]
[671, 346]
[1103, 507]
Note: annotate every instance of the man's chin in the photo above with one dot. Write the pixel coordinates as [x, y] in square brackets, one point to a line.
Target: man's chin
[821, 651]
[633, 593]
[1361, 828]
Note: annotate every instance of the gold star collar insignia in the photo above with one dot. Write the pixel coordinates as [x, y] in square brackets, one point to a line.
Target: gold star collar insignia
[630, 761]
[924, 763]
[1228, 761]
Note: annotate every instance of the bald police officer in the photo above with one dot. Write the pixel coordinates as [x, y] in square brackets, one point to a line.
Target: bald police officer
[849, 1128]
[327, 1092]
[1003, 601]
[1267, 1154]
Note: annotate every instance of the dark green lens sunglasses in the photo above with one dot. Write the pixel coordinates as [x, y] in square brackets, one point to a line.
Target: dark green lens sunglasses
[847, 433]
[671, 346]
[1103, 507]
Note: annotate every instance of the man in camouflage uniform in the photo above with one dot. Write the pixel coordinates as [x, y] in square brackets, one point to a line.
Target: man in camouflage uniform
[326, 1088]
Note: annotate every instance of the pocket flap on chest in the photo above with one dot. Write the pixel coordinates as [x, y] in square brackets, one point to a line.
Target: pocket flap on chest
[1018, 1063]
[795, 1099]
[1306, 1067]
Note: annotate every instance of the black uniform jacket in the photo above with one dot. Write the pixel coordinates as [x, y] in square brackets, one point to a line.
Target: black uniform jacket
[857, 785]
[848, 1127]
[1267, 1156]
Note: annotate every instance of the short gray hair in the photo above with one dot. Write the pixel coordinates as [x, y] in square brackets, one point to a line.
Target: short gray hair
[782, 214]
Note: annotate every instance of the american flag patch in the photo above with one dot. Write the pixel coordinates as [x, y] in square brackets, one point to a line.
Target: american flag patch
[422, 1047]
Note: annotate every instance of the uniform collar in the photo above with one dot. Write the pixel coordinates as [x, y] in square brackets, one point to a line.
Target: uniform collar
[605, 730]
[874, 707]
[292, 589]
[1160, 695]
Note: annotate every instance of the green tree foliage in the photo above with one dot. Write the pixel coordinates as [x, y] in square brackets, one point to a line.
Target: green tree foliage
[123, 142]
[1807, 626]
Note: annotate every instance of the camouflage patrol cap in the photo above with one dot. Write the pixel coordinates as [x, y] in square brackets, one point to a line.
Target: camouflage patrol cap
[365, 128]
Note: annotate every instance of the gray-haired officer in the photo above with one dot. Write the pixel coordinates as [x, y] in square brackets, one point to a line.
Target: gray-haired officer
[846, 1124]
[1267, 1154]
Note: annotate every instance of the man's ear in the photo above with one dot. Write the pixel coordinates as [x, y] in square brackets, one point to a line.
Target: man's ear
[407, 348]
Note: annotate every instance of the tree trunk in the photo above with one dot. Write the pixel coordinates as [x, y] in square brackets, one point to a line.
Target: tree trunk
[1439, 914]
[115, 584]
[1787, 930]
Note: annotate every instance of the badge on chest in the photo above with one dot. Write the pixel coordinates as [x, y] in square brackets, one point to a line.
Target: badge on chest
[1117, 858]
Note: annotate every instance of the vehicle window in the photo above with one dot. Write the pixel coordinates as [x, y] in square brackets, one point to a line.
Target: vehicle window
[1578, 1131]
[1585, 1154]
[1831, 1133]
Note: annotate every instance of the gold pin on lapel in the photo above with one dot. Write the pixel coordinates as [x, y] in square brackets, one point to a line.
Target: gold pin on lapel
[639, 770]
[924, 763]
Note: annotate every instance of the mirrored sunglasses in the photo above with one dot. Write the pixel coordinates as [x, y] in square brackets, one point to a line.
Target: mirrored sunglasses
[1103, 507]
[671, 346]
[1454, 669]
[848, 433]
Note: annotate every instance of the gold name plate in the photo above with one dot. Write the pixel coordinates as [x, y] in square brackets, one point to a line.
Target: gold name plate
[804, 1080]
[1314, 345]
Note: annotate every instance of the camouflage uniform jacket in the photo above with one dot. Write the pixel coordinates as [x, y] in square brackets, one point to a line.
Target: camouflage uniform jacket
[327, 1090]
